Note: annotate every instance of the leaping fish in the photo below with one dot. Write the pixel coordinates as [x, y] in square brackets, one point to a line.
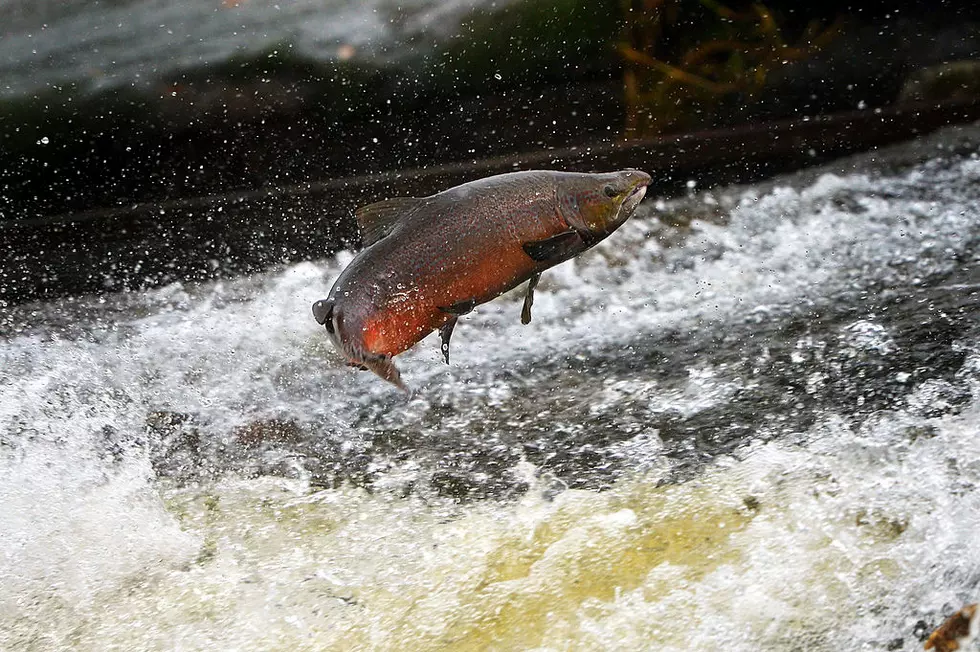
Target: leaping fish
[427, 261]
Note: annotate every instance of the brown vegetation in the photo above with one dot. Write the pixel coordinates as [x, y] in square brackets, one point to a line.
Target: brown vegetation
[683, 58]
[953, 631]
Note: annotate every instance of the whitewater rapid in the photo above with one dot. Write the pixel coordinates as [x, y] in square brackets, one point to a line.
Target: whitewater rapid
[746, 421]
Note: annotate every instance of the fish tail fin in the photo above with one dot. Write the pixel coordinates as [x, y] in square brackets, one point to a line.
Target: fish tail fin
[327, 316]
[386, 369]
[323, 313]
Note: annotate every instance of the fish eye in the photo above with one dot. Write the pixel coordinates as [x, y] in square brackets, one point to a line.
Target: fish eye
[609, 191]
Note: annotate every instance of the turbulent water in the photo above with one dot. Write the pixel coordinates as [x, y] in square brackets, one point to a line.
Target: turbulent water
[110, 43]
[747, 421]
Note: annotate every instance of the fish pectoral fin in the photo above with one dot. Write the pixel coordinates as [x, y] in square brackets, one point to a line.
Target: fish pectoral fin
[556, 248]
[529, 299]
[460, 308]
[446, 332]
[376, 220]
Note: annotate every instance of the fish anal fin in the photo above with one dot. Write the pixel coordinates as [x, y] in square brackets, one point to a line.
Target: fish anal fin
[459, 308]
[556, 248]
[529, 299]
[446, 332]
[377, 220]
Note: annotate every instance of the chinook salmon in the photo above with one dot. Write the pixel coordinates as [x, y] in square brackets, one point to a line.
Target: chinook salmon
[428, 261]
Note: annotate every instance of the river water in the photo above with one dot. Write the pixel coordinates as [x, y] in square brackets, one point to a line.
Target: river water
[747, 421]
[89, 46]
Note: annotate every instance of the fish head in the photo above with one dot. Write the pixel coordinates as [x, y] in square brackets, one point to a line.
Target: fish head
[595, 205]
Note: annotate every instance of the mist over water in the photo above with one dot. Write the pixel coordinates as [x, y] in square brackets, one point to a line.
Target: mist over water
[756, 431]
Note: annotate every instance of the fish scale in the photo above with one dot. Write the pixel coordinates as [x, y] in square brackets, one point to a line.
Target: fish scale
[430, 260]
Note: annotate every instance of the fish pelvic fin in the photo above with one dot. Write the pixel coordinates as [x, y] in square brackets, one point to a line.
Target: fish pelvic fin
[323, 313]
[375, 221]
[446, 332]
[459, 308]
[529, 299]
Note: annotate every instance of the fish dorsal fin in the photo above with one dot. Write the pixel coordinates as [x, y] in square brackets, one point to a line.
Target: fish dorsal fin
[376, 220]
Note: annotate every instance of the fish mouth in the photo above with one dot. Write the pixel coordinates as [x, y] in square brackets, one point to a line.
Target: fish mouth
[639, 192]
[632, 201]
